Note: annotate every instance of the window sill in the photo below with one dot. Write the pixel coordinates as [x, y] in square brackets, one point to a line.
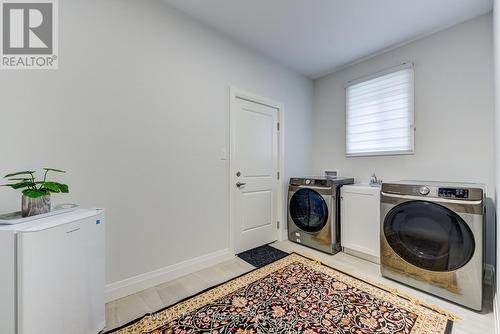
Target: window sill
[379, 154]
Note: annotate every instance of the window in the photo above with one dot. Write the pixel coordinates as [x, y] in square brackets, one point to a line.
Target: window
[379, 113]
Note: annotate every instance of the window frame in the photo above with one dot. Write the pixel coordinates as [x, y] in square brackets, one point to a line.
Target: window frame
[404, 66]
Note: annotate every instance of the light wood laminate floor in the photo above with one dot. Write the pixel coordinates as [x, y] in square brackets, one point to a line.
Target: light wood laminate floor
[126, 309]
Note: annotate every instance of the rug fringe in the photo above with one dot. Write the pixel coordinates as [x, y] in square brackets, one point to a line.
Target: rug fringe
[451, 316]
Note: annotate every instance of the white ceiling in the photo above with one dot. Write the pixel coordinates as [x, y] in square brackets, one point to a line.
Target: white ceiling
[315, 37]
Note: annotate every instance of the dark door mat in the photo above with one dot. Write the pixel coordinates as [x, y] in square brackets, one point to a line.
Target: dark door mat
[261, 256]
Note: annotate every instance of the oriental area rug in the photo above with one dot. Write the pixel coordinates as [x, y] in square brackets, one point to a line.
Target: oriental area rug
[295, 294]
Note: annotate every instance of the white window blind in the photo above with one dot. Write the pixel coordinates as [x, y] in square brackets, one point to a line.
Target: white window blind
[379, 113]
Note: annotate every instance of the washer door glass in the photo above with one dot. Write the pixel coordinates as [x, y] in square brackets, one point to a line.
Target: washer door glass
[429, 236]
[308, 210]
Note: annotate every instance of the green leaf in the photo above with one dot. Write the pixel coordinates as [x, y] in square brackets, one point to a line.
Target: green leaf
[64, 188]
[19, 185]
[51, 186]
[22, 185]
[55, 187]
[55, 170]
[34, 193]
[20, 173]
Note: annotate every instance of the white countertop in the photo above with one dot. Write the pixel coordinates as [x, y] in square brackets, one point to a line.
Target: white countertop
[48, 222]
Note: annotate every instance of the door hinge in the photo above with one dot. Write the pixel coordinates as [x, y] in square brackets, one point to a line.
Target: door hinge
[278, 225]
[278, 126]
[278, 175]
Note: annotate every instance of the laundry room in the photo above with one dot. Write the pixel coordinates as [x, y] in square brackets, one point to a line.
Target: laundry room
[249, 166]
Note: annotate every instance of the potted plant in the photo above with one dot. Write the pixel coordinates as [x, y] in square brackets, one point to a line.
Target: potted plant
[36, 194]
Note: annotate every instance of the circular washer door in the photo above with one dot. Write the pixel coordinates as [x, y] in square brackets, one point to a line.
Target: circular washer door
[308, 210]
[429, 236]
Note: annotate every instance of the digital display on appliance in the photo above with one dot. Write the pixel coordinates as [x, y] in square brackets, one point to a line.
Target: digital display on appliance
[453, 193]
[320, 182]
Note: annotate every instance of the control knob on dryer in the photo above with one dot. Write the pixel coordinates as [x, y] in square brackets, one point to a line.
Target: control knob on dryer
[424, 190]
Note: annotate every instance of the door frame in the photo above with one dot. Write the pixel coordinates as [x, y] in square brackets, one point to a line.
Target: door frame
[235, 93]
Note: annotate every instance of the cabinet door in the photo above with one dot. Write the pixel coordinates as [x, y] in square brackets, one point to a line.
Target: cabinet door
[61, 279]
[7, 282]
[360, 221]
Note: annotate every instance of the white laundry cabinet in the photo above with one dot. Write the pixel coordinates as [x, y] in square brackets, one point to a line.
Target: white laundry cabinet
[360, 221]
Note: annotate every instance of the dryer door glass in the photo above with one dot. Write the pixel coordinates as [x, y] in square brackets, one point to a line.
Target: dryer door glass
[308, 210]
[429, 236]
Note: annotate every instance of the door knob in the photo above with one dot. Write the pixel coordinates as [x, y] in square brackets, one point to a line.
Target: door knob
[239, 184]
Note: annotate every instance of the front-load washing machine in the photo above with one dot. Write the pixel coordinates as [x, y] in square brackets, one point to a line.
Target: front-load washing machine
[314, 212]
[431, 238]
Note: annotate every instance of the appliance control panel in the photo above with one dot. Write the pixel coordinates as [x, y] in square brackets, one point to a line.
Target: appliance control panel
[327, 182]
[445, 190]
[322, 183]
[311, 182]
[453, 192]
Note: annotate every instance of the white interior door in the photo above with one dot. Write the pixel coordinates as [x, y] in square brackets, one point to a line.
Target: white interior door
[254, 170]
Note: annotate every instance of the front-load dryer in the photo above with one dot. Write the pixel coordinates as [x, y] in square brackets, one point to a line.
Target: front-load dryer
[314, 212]
[431, 238]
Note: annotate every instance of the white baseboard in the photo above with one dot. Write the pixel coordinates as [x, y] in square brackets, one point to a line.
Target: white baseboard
[150, 279]
[362, 255]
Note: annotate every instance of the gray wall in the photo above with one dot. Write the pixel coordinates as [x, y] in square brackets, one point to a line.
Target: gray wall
[453, 112]
[138, 114]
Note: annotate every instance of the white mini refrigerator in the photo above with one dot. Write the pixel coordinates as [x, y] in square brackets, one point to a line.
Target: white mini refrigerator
[52, 274]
